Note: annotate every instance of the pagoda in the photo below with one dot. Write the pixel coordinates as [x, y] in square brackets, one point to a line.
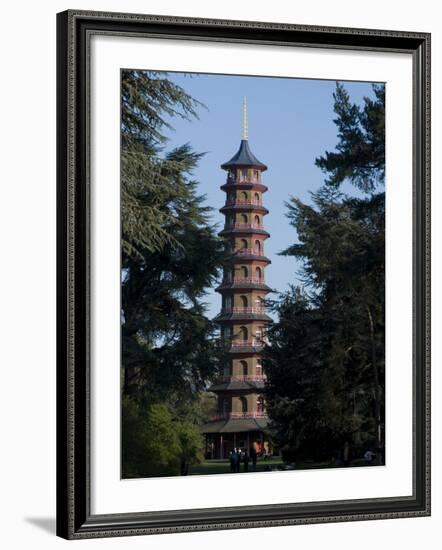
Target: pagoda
[241, 418]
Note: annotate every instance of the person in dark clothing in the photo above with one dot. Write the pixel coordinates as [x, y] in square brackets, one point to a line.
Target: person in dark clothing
[246, 460]
[232, 460]
[238, 461]
[253, 456]
[346, 454]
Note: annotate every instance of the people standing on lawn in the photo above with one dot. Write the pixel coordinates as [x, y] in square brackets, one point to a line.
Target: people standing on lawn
[238, 456]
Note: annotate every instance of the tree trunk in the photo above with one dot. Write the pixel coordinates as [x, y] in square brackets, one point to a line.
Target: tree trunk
[377, 387]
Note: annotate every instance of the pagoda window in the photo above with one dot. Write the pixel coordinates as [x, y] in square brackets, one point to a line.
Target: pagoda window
[260, 404]
[243, 301]
[258, 273]
[244, 368]
[244, 243]
[244, 218]
[243, 196]
[243, 333]
[243, 173]
[226, 405]
[257, 199]
[258, 368]
[256, 175]
[243, 401]
[257, 220]
[244, 271]
[258, 245]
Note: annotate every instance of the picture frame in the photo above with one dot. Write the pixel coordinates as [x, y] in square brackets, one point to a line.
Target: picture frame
[75, 519]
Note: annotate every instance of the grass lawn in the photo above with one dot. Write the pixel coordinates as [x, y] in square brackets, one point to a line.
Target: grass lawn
[223, 466]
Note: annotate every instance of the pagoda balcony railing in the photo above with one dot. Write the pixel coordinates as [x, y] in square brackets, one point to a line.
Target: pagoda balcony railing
[249, 251]
[244, 378]
[242, 202]
[252, 309]
[227, 415]
[242, 179]
[244, 226]
[251, 280]
[247, 343]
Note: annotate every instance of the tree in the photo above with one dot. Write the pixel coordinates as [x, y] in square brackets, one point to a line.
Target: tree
[150, 443]
[170, 256]
[191, 444]
[329, 339]
[155, 443]
[360, 152]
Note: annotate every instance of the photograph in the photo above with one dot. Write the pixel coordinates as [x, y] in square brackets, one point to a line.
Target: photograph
[252, 273]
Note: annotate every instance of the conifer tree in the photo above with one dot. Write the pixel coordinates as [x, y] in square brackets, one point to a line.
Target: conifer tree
[325, 365]
[170, 256]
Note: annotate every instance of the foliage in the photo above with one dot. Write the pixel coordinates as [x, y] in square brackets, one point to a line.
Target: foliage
[163, 439]
[150, 443]
[325, 365]
[191, 444]
[170, 256]
[360, 155]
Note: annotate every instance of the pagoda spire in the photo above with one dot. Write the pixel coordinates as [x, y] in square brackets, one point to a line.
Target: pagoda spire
[245, 129]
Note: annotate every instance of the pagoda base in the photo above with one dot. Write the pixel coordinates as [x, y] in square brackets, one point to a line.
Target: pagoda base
[222, 437]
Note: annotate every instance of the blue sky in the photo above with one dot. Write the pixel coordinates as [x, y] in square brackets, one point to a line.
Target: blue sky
[290, 124]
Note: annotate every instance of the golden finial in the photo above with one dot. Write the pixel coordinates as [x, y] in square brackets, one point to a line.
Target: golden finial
[245, 129]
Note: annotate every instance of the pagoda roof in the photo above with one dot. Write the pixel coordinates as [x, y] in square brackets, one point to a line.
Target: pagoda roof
[244, 231]
[227, 317]
[244, 157]
[237, 385]
[232, 425]
[257, 208]
[231, 185]
[238, 285]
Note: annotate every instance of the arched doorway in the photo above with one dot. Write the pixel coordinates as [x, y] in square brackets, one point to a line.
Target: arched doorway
[244, 368]
[243, 401]
[243, 333]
